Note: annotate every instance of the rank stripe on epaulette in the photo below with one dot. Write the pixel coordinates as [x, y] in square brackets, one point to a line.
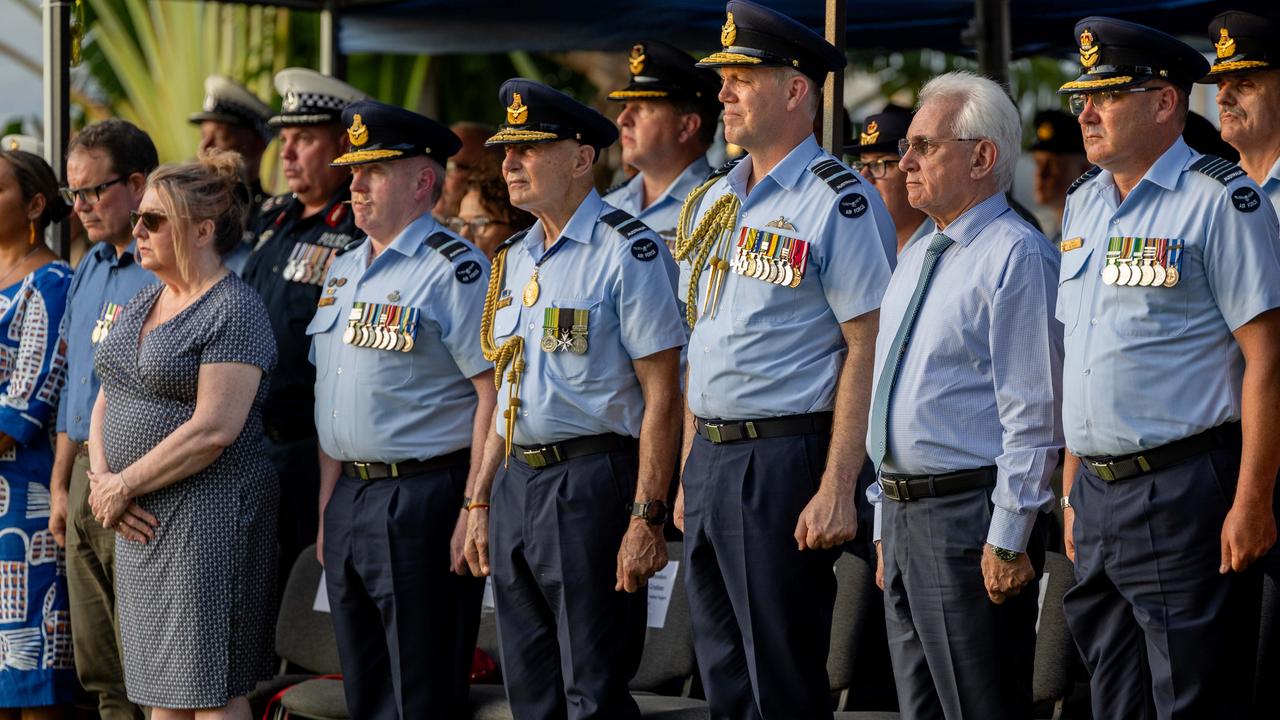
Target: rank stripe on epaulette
[1224, 171]
[512, 240]
[834, 174]
[446, 245]
[622, 221]
[1084, 178]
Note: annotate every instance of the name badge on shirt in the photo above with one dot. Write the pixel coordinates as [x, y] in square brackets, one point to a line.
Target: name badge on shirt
[1072, 244]
[1143, 262]
[564, 329]
[771, 257]
[110, 313]
[381, 326]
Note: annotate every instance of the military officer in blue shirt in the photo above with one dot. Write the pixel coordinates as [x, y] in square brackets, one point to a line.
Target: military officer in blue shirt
[1167, 295]
[404, 399]
[296, 236]
[667, 123]
[582, 325]
[789, 256]
[964, 418]
[107, 167]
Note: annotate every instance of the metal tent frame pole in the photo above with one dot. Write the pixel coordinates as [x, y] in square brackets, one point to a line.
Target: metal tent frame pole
[331, 60]
[833, 88]
[57, 103]
[992, 33]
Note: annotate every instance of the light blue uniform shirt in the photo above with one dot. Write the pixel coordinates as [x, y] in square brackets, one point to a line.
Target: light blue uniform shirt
[389, 406]
[772, 350]
[1271, 185]
[980, 382]
[103, 277]
[626, 283]
[662, 213]
[1146, 366]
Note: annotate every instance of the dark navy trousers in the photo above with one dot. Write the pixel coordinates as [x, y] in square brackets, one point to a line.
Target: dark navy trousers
[761, 608]
[955, 653]
[570, 642]
[405, 624]
[1164, 635]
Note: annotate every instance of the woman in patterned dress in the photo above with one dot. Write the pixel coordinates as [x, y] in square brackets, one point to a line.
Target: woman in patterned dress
[37, 674]
[178, 467]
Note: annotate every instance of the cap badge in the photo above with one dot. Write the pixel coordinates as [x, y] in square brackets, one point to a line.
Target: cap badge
[517, 111]
[870, 133]
[1045, 132]
[291, 101]
[728, 33]
[1226, 44]
[636, 61]
[1088, 51]
[358, 133]
[210, 102]
[13, 144]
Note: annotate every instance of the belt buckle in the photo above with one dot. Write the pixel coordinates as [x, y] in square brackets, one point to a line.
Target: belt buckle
[900, 489]
[362, 470]
[713, 432]
[542, 457]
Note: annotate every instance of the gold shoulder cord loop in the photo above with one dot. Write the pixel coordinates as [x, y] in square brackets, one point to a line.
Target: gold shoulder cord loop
[717, 224]
[510, 352]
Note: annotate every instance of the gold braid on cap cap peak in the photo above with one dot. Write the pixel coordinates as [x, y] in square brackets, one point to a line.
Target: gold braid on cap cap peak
[1101, 82]
[717, 222]
[731, 57]
[357, 156]
[629, 94]
[510, 352]
[1234, 65]
[516, 135]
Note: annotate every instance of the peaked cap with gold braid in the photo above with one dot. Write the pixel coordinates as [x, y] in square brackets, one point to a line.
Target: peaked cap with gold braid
[1116, 54]
[1242, 43]
[665, 72]
[379, 132]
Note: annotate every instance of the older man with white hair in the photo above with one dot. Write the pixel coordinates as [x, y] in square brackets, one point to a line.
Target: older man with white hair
[966, 444]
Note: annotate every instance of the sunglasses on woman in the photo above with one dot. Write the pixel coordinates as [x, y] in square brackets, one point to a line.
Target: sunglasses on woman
[152, 221]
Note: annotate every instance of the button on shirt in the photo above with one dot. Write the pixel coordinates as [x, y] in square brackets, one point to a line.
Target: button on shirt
[390, 406]
[772, 350]
[292, 303]
[627, 287]
[1146, 366]
[103, 277]
[979, 381]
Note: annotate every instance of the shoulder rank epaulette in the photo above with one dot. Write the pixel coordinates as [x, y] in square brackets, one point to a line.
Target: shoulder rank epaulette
[511, 240]
[725, 168]
[447, 245]
[350, 246]
[1084, 178]
[1224, 171]
[616, 187]
[622, 221]
[835, 174]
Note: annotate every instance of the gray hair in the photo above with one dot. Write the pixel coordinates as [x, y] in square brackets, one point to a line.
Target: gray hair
[986, 111]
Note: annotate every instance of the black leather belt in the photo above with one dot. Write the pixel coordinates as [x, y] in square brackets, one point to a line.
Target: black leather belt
[1119, 467]
[381, 471]
[540, 456]
[733, 431]
[907, 488]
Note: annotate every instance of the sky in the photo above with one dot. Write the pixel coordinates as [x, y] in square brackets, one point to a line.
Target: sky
[20, 89]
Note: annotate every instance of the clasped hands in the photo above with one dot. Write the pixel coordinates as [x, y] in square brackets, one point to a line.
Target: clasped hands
[114, 508]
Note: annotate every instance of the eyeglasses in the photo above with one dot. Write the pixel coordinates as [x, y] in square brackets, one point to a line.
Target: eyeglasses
[152, 221]
[925, 146]
[1101, 100]
[477, 225]
[88, 195]
[877, 169]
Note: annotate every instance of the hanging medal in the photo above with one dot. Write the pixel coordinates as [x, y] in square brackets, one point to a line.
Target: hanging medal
[1158, 263]
[1110, 272]
[1122, 263]
[1135, 257]
[1148, 257]
[353, 317]
[1173, 273]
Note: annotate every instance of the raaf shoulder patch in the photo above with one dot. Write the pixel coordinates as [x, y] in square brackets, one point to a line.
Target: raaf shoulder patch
[836, 175]
[644, 249]
[1224, 171]
[1086, 177]
[1245, 199]
[468, 272]
[622, 221]
[853, 205]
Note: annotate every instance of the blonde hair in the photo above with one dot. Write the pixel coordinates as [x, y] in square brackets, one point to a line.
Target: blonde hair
[210, 188]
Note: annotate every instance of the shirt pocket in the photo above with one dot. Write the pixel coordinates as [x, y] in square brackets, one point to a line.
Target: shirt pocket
[323, 323]
[1071, 282]
[1149, 311]
[563, 360]
[506, 321]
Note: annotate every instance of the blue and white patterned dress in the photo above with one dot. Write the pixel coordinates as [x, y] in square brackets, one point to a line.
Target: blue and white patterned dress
[36, 662]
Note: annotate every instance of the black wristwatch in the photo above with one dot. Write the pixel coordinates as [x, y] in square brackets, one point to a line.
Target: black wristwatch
[653, 512]
[1005, 555]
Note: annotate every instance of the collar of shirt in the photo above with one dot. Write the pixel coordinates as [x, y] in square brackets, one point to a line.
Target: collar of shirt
[680, 187]
[106, 252]
[926, 229]
[785, 174]
[580, 228]
[967, 226]
[1164, 172]
[410, 238]
[1272, 180]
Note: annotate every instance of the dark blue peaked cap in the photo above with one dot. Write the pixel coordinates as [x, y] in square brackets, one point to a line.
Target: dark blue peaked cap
[539, 114]
[756, 36]
[1116, 54]
[379, 132]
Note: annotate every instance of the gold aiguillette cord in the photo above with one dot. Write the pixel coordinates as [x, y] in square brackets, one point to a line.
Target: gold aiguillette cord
[510, 352]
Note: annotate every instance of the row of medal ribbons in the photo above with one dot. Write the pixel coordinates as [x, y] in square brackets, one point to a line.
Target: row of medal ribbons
[564, 329]
[307, 263]
[381, 326]
[1143, 262]
[110, 313]
[771, 257]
